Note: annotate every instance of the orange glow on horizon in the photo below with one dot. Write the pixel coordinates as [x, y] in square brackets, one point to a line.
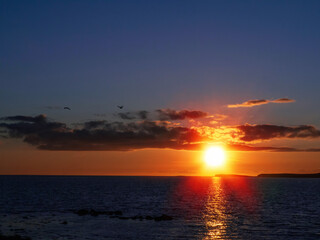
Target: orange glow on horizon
[150, 162]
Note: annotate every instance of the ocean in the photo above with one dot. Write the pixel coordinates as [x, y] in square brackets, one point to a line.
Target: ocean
[116, 207]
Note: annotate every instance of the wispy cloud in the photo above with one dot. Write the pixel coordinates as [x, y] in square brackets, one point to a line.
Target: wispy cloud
[242, 147]
[257, 102]
[283, 100]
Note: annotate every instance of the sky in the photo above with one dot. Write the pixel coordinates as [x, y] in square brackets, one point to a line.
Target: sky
[243, 75]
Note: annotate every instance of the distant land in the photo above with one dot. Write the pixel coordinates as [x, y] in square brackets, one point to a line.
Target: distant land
[291, 175]
[278, 175]
[231, 175]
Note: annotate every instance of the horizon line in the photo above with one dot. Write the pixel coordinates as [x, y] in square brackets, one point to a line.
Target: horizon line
[123, 175]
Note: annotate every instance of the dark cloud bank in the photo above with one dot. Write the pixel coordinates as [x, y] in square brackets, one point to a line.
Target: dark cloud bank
[100, 135]
[124, 136]
[134, 115]
[169, 114]
[266, 132]
[163, 114]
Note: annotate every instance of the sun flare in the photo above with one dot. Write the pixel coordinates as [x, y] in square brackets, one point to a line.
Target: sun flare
[215, 156]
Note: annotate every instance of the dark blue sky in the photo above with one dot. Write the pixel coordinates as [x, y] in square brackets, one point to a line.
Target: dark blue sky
[93, 55]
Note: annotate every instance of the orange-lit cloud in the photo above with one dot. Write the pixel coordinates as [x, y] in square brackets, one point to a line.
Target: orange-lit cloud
[283, 100]
[102, 135]
[257, 102]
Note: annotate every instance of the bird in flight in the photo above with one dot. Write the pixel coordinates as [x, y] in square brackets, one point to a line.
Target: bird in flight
[120, 107]
[67, 108]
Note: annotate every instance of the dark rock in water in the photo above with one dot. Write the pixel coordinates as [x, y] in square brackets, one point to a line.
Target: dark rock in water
[15, 237]
[64, 222]
[137, 217]
[117, 213]
[163, 217]
[92, 212]
[82, 212]
[149, 218]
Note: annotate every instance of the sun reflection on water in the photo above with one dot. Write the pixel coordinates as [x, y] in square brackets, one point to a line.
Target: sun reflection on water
[229, 198]
[215, 217]
[221, 207]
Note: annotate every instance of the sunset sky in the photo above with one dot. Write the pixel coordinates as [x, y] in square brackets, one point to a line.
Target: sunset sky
[242, 75]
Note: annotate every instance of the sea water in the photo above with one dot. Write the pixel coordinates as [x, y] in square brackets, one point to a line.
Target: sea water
[46, 207]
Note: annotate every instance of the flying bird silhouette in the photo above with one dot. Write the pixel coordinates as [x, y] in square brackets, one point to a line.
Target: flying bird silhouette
[67, 108]
[120, 107]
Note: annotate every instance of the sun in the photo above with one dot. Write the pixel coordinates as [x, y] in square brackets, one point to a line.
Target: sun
[215, 156]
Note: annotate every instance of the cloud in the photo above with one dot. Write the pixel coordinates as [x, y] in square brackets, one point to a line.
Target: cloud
[257, 102]
[249, 103]
[143, 114]
[267, 132]
[101, 135]
[94, 124]
[127, 116]
[169, 114]
[25, 126]
[37, 119]
[163, 114]
[241, 147]
[219, 117]
[283, 100]
[134, 115]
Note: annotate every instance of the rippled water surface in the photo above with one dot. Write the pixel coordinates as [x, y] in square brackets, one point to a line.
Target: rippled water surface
[43, 207]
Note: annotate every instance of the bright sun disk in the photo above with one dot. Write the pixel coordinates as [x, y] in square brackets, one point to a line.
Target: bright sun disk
[215, 156]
